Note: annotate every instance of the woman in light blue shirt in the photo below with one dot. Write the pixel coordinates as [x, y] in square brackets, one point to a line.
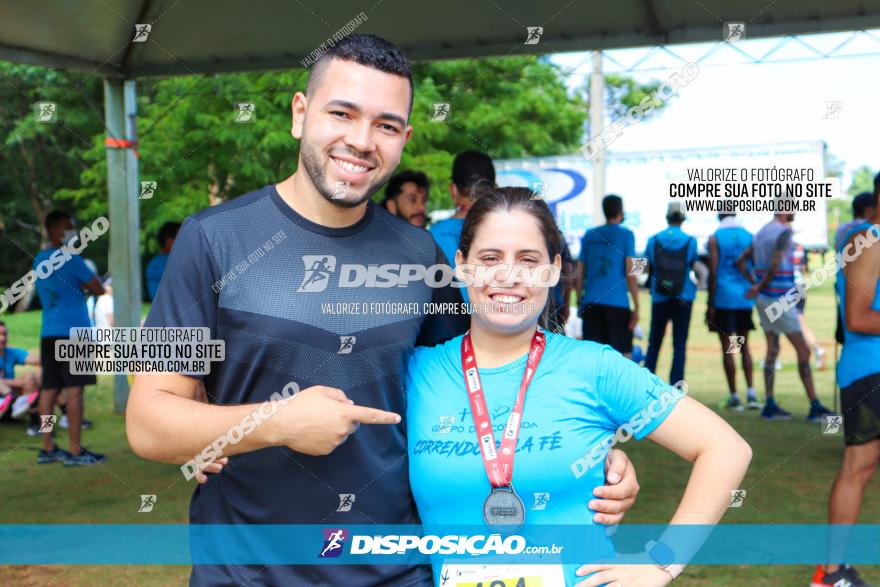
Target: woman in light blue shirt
[581, 398]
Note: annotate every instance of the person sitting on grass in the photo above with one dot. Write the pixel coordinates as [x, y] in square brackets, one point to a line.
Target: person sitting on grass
[20, 393]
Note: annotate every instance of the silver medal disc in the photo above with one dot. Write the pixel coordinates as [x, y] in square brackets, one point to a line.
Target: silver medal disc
[503, 510]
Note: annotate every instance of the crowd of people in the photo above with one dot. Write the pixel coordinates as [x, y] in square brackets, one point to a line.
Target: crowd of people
[345, 429]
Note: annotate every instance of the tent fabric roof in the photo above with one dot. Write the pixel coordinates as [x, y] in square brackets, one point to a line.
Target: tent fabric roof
[197, 36]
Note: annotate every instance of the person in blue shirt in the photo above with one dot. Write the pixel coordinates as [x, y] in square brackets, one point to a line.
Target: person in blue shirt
[729, 312]
[62, 294]
[671, 256]
[21, 392]
[472, 171]
[858, 374]
[607, 267]
[156, 266]
[582, 394]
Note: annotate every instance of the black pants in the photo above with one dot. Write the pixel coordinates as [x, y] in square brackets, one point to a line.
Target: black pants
[679, 311]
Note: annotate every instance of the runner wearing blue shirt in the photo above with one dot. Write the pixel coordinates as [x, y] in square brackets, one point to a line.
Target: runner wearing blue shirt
[671, 256]
[472, 171]
[62, 295]
[341, 435]
[579, 393]
[606, 260]
[858, 374]
[729, 312]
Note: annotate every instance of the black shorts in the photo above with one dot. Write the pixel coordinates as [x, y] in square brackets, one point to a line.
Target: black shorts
[732, 321]
[608, 325]
[860, 403]
[56, 374]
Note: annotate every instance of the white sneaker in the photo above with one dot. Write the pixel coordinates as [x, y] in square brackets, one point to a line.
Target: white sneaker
[23, 403]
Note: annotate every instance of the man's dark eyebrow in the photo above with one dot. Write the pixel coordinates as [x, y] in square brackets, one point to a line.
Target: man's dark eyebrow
[354, 107]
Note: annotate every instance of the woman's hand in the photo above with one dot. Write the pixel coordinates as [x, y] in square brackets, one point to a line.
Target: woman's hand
[215, 467]
[624, 576]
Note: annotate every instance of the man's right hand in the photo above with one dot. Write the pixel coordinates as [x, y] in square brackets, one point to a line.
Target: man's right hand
[318, 419]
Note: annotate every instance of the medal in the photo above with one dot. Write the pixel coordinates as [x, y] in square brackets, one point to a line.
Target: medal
[503, 510]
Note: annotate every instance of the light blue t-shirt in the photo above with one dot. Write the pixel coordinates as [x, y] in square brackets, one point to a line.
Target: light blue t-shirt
[604, 250]
[860, 356]
[730, 284]
[446, 234]
[9, 359]
[61, 294]
[581, 393]
[155, 269]
[673, 239]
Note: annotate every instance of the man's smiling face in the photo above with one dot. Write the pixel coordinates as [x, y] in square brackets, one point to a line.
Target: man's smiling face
[353, 130]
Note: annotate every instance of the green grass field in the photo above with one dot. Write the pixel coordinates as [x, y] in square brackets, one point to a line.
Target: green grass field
[788, 482]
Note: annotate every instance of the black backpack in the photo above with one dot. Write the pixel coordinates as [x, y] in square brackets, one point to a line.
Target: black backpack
[670, 269]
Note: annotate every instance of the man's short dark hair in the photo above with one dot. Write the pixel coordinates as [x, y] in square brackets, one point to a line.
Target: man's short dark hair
[861, 202]
[55, 217]
[877, 184]
[612, 206]
[168, 230]
[470, 168]
[395, 184]
[368, 50]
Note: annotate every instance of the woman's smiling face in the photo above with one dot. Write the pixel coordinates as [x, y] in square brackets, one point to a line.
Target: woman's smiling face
[510, 247]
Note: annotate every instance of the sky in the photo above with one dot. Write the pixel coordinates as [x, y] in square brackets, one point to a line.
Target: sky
[732, 102]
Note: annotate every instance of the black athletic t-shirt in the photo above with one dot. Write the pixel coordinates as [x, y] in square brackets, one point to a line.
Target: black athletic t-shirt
[260, 276]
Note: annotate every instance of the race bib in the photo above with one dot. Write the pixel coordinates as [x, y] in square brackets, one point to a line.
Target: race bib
[501, 576]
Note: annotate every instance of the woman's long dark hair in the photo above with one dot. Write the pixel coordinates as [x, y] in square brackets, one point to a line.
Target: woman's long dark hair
[508, 199]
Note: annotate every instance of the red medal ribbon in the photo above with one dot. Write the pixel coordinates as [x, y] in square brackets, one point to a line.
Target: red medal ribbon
[499, 465]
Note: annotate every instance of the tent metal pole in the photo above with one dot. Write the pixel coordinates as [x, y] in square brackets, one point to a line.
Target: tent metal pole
[123, 184]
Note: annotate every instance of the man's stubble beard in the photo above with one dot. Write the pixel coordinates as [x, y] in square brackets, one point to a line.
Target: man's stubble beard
[312, 164]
